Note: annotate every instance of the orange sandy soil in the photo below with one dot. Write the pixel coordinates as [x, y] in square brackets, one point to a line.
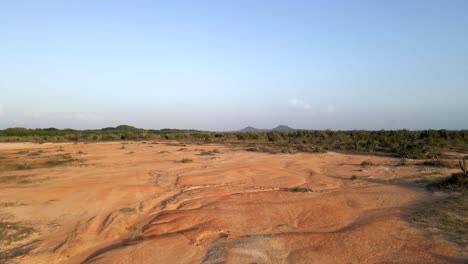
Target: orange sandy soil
[141, 205]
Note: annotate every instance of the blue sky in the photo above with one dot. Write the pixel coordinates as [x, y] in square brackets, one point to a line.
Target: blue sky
[223, 65]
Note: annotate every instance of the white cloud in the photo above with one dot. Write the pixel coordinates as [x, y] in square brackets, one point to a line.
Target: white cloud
[297, 103]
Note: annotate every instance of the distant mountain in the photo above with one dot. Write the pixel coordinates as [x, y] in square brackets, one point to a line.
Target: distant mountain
[282, 128]
[121, 128]
[249, 129]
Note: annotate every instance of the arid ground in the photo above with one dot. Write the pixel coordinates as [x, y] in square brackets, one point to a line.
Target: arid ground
[154, 202]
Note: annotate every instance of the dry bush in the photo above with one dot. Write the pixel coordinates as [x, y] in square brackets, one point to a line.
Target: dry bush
[209, 152]
[127, 210]
[367, 163]
[457, 182]
[402, 162]
[296, 189]
[11, 232]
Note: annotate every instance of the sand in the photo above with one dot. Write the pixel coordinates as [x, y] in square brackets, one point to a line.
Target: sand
[140, 204]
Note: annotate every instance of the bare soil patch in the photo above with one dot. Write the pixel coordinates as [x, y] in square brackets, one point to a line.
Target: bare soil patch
[183, 203]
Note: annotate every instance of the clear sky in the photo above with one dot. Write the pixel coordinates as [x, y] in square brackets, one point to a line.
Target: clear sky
[223, 65]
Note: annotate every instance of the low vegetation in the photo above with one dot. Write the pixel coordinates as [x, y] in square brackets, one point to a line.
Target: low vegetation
[12, 232]
[36, 153]
[36, 162]
[296, 189]
[21, 250]
[175, 144]
[185, 160]
[285, 148]
[424, 144]
[457, 182]
[209, 152]
[16, 179]
[439, 163]
[127, 210]
[367, 163]
[59, 159]
[403, 162]
[10, 204]
[24, 166]
[447, 217]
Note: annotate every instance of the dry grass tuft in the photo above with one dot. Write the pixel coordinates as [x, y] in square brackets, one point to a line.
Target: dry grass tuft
[12, 232]
[296, 189]
[127, 210]
[367, 163]
[209, 152]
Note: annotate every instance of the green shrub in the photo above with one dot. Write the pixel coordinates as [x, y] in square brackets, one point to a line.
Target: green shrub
[415, 152]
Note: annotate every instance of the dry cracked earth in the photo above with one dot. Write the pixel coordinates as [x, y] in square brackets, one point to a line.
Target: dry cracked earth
[150, 202]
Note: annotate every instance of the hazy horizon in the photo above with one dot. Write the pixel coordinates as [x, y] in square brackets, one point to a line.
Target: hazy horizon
[226, 65]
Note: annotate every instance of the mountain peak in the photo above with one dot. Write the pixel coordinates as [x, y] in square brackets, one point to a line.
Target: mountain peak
[282, 128]
[249, 129]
